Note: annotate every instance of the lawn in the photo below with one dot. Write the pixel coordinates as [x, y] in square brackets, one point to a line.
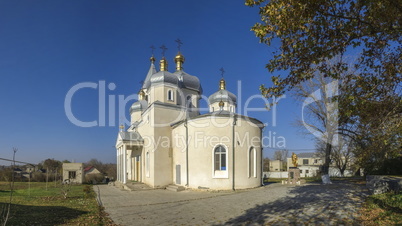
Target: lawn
[383, 209]
[46, 205]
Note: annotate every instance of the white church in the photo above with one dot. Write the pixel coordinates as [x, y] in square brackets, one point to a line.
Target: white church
[170, 142]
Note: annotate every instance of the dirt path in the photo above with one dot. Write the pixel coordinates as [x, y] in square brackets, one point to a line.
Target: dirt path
[273, 204]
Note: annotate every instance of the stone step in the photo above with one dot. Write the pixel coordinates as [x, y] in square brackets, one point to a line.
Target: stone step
[176, 188]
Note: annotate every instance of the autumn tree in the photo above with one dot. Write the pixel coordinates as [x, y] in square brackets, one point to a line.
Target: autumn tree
[281, 154]
[341, 154]
[52, 165]
[320, 114]
[311, 33]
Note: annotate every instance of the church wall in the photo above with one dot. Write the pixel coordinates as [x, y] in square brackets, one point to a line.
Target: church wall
[204, 135]
[162, 139]
[182, 100]
[160, 93]
[135, 116]
[147, 131]
[247, 136]
[205, 139]
[179, 155]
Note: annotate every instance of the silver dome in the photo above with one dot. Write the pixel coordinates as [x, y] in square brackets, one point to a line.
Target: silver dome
[139, 106]
[188, 81]
[164, 77]
[223, 95]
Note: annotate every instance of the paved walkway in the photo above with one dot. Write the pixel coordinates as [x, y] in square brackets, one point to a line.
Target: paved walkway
[317, 204]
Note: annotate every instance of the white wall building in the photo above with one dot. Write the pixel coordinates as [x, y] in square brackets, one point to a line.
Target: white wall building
[170, 142]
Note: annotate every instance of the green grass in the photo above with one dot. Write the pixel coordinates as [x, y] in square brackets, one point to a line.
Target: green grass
[40, 206]
[383, 209]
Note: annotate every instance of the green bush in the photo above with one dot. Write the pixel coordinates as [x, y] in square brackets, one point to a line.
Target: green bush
[94, 178]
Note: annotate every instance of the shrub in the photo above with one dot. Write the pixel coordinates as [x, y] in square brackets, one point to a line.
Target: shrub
[94, 178]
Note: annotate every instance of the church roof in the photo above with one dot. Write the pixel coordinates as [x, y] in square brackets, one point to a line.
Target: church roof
[222, 114]
[147, 81]
[222, 95]
[188, 81]
[134, 125]
[139, 106]
[130, 136]
[164, 77]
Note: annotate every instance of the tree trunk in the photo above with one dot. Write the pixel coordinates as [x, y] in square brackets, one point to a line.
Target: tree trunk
[325, 166]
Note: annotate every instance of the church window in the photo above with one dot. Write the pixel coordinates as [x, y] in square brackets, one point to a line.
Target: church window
[189, 102]
[170, 95]
[252, 158]
[220, 158]
[147, 164]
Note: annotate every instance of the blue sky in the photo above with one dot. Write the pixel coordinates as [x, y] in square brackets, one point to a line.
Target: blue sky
[47, 47]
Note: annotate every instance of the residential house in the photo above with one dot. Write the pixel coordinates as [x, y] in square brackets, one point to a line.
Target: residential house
[73, 172]
[276, 165]
[308, 163]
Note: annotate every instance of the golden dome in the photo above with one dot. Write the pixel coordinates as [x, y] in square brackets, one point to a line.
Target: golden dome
[179, 60]
[152, 59]
[222, 84]
[163, 64]
[141, 94]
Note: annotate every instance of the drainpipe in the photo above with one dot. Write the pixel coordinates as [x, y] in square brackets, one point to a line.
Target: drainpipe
[233, 147]
[187, 176]
[262, 157]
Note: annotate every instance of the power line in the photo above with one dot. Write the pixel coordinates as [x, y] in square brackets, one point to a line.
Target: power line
[10, 160]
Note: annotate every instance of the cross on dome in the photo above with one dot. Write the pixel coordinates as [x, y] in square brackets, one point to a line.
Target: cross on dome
[222, 71]
[163, 47]
[179, 43]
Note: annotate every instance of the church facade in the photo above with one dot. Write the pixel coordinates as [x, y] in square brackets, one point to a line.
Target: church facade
[170, 142]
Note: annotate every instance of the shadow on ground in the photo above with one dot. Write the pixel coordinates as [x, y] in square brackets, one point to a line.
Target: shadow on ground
[337, 203]
[40, 215]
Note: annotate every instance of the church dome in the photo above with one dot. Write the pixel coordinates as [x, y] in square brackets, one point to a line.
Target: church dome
[188, 81]
[164, 77]
[139, 106]
[223, 95]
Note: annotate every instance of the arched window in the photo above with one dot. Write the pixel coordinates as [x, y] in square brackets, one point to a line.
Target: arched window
[188, 102]
[252, 157]
[147, 164]
[220, 158]
[170, 95]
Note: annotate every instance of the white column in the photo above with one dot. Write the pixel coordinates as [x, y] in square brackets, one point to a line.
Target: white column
[118, 164]
[125, 164]
[119, 168]
[121, 164]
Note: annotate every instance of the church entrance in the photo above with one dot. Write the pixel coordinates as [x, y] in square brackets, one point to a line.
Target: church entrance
[137, 168]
